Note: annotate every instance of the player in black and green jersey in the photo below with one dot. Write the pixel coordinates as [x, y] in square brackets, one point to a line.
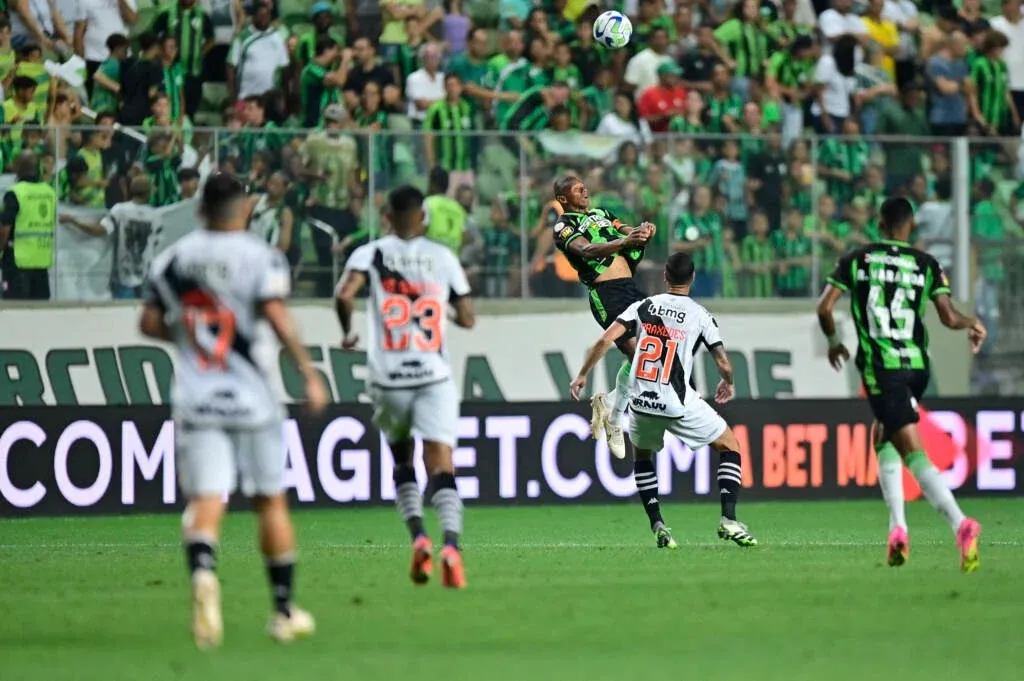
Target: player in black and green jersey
[605, 253]
[891, 283]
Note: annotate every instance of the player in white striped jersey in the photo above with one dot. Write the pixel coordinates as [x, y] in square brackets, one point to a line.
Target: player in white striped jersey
[669, 329]
[411, 283]
[218, 295]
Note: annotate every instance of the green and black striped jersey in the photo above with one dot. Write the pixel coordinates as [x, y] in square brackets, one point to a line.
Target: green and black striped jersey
[890, 284]
[598, 226]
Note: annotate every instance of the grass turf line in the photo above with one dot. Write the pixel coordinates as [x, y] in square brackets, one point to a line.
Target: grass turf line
[561, 593]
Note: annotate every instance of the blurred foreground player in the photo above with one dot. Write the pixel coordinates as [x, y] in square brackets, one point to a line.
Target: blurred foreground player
[412, 281]
[210, 294]
[890, 284]
[668, 329]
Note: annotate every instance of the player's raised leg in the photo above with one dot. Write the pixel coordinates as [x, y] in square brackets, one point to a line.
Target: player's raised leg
[608, 412]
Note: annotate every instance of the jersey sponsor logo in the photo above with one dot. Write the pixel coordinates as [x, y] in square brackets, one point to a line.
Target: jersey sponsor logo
[905, 261]
[648, 401]
[671, 313]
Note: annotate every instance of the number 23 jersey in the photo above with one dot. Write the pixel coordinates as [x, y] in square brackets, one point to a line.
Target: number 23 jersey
[669, 330]
[211, 287]
[411, 283]
[890, 284]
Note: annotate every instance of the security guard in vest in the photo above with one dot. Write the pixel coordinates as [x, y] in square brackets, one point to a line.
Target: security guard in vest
[27, 224]
[444, 216]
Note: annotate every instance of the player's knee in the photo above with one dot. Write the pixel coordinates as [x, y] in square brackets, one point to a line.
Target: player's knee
[437, 457]
[726, 442]
[266, 504]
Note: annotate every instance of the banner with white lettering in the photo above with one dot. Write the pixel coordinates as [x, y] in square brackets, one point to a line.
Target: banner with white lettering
[114, 460]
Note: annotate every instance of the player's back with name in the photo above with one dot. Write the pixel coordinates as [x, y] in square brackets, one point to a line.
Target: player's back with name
[212, 285]
[411, 282]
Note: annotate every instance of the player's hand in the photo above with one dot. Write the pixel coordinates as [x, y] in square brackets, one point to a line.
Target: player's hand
[648, 228]
[977, 334]
[724, 392]
[316, 395]
[577, 386]
[838, 356]
[349, 342]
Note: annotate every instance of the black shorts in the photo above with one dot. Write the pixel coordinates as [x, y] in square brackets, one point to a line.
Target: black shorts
[609, 299]
[894, 396]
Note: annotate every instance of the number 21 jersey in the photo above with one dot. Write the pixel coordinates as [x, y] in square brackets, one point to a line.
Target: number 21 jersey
[411, 282]
[890, 284]
[669, 330]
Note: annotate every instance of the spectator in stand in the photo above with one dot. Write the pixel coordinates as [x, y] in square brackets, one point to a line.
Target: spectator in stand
[885, 35]
[105, 81]
[393, 14]
[839, 22]
[651, 15]
[1011, 24]
[188, 182]
[7, 54]
[724, 106]
[366, 67]
[935, 232]
[793, 251]
[408, 59]
[988, 235]
[904, 160]
[38, 22]
[972, 22]
[664, 100]
[590, 57]
[698, 64]
[511, 54]
[162, 166]
[834, 74]
[471, 67]
[564, 69]
[319, 83]
[425, 86]
[272, 220]
[365, 19]
[698, 231]
[642, 69]
[947, 73]
[598, 99]
[743, 44]
[259, 136]
[789, 80]
[455, 27]
[991, 101]
[692, 120]
[452, 144]
[191, 26]
[96, 22]
[174, 79]
[532, 112]
[371, 116]
[258, 56]
[501, 251]
[27, 224]
[521, 76]
[947, 20]
[686, 38]
[322, 16]
[513, 14]
[728, 177]
[785, 29]
[905, 15]
[841, 162]
[875, 87]
[624, 122]
[759, 259]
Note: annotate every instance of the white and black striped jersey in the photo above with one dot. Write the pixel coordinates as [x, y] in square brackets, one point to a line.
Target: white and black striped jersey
[669, 330]
[411, 283]
[211, 286]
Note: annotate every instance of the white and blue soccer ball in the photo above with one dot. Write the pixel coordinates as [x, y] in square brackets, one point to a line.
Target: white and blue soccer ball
[613, 29]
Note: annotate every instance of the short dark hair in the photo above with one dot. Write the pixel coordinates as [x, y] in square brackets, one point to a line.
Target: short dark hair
[986, 187]
[404, 199]
[943, 187]
[438, 179]
[679, 269]
[23, 83]
[564, 184]
[147, 41]
[894, 213]
[323, 43]
[117, 41]
[801, 43]
[186, 174]
[219, 194]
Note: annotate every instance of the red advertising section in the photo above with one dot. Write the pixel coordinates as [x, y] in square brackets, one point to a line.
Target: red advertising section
[114, 460]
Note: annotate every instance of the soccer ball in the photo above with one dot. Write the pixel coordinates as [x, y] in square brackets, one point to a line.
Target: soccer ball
[613, 29]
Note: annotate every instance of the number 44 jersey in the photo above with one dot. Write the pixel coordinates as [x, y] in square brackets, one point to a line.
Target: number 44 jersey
[411, 283]
[211, 286]
[669, 330]
[890, 284]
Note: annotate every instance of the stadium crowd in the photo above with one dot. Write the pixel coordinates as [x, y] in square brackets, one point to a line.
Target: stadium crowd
[744, 131]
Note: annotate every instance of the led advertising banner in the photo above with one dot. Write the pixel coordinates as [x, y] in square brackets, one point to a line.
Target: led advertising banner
[116, 460]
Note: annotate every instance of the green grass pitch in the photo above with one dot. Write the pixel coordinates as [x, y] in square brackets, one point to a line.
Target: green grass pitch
[566, 593]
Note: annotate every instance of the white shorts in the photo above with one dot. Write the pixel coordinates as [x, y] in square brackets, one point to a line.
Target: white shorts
[699, 425]
[212, 459]
[430, 411]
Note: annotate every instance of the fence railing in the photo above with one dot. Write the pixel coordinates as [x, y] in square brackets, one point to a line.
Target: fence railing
[761, 219]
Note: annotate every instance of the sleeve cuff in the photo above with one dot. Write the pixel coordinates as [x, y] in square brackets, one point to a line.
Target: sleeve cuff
[835, 282]
[945, 290]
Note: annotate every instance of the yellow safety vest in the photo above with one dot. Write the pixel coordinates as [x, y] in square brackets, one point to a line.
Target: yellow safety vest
[34, 225]
[447, 220]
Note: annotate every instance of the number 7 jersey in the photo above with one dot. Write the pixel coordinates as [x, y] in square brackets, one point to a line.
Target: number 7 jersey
[669, 330]
[411, 283]
[890, 284]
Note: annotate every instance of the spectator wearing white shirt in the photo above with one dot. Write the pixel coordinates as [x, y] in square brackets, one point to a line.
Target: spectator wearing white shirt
[935, 225]
[425, 86]
[37, 21]
[642, 69]
[96, 21]
[835, 73]
[839, 21]
[256, 56]
[904, 14]
[1011, 24]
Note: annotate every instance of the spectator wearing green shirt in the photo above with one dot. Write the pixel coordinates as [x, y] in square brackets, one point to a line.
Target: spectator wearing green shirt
[789, 80]
[757, 253]
[794, 258]
[988, 236]
[162, 167]
[800, 178]
[823, 227]
[561, 27]
[724, 107]
[904, 160]
[471, 67]
[743, 45]
[598, 99]
[501, 253]
[692, 122]
[650, 18]
[991, 100]
[408, 58]
[322, 16]
[319, 83]
[191, 26]
[783, 30]
[106, 81]
[588, 55]
[173, 79]
[841, 161]
[524, 75]
[699, 233]
[564, 70]
[450, 142]
[627, 167]
[373, 119]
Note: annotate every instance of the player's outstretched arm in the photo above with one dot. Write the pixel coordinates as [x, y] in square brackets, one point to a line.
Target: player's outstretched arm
[594, 355]
[588, 251]
[277, 315]
[952, 318]
[837, 352]
[726, 389]
[344, 304]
